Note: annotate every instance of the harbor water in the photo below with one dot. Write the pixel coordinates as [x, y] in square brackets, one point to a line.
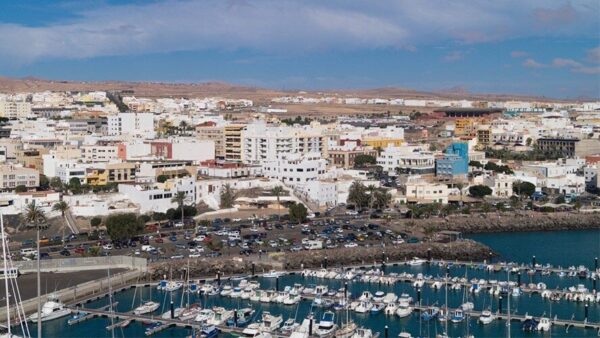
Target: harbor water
[557, 248]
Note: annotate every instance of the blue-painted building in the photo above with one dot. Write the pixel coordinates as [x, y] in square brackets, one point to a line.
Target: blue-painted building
[455, 161]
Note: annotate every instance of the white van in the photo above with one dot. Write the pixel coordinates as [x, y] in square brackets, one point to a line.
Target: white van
[28, 252]
[147, 248]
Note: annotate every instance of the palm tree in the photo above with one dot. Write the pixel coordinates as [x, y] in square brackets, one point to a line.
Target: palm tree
[371, 188]
[61, 206]
[277, 191]
[35, 216]
[180, 198]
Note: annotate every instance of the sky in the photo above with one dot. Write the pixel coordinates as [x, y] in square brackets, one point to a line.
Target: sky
[527, 47]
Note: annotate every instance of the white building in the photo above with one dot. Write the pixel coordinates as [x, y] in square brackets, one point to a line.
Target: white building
[99, 153]
[295, 169]
[322, 193]
[132, 124]
[261, 142]
[157, 198]
[418, 190]
[15, 109]
[413, 158]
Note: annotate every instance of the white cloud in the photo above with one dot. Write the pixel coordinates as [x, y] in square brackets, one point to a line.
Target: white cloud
[560, 62]
[593, 55]
[531, 63]
[288, 26]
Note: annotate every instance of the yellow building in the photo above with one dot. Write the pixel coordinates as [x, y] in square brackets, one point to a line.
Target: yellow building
[382, 142]
[111, 173]
[464, 127]
[484, 136]
[233, 141]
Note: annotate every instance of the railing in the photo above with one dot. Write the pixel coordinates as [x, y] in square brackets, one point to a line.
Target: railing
[83, 263]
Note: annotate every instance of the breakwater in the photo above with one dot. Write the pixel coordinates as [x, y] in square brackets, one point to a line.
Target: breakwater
[464, 250]
[505, 222]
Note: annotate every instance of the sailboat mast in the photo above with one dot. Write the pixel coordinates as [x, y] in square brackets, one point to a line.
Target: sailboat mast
[112, 319]
[6, 273]
[447, 314]
[508, 304]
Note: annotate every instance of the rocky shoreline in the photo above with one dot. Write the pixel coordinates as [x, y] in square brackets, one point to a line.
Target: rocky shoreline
[465, 250]
[505, 222]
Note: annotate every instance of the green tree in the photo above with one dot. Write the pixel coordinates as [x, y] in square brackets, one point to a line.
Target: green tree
[180, 198]
[62, 207]
[162, 178]
[277, 191]
[44, 182]
[357, 195]
[298, 213]
[480, 191]
[34, 215]
[523, 188]
[372, 189]
[95, 222]
[56, 184]
[123, 226]
[382, 198]
[159, 216]
[476, 164]
[560, 199]
[21, 188]
[361, 160]
[75, 185]
[227, 197]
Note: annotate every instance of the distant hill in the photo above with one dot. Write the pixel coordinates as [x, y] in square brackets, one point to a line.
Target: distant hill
[164, 89]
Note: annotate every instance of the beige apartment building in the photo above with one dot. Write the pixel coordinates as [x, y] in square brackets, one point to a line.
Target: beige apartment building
[13, 176]
[233, 142]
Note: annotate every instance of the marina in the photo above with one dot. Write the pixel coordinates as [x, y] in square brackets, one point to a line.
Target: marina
[436, 287]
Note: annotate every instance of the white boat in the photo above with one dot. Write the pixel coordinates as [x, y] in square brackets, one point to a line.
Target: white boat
[268, 296]
[51, 309]
[176, 313]
[289, 326]
[486, 317]
[389, 298]
[364, 333]
[321, 290]
[236, 293]
[190, 312]
[390, 309]
[544, 324]
[169, 286]
[416, 261]
[273, 274]
[226, 291]
[404, 335]
[292, 299]
[252, 331]
[147, 307]
[364, 307]
[327, 325]
[256, 295]
[270, 323]
[378, 296]
[366, 295]
[281, 296]
[247, 293]
[204, 316]
[404, 309]
[221, 316]
[346, 331]
[468, 306]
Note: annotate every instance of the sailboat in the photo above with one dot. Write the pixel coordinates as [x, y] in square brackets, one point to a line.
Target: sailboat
[10, 283]
[349, 328]
[146, 307]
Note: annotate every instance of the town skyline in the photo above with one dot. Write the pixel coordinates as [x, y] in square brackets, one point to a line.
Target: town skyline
[520, 48]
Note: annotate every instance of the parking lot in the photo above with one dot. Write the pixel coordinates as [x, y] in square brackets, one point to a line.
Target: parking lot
[173, 240]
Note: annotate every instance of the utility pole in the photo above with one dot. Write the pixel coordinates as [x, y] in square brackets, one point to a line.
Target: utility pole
[39, 288]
